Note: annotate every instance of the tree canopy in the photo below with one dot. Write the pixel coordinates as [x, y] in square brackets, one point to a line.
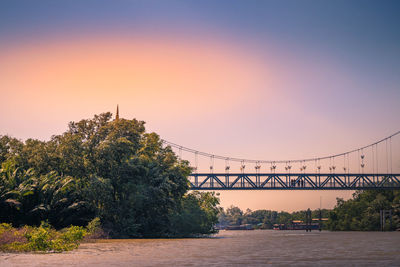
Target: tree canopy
[264, 219]
[112, 169]
[362, 212]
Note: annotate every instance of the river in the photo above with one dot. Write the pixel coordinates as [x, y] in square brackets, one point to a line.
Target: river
[230, 248]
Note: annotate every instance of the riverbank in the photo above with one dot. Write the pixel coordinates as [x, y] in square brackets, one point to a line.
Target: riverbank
[44, 238]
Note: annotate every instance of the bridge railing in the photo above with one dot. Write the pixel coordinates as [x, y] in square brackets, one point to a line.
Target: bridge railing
[293, 181]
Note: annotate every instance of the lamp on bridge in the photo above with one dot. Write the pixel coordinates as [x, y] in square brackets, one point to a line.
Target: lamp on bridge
[273, 167]
[288, 167]
[227, 169]
[242, 168]
[362, 163]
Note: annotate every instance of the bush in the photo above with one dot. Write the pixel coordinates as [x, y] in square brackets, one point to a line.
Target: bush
[94, 230]
[42, 238]
[39, 238]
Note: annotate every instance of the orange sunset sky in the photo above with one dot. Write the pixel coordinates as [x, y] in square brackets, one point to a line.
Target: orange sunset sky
[205, 81]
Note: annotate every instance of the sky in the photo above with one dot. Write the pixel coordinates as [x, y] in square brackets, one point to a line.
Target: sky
[250, 79]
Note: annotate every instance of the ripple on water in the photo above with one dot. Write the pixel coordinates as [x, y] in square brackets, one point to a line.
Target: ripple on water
[229, 248]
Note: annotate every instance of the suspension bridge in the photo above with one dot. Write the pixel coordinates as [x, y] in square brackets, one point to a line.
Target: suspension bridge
[364, 168]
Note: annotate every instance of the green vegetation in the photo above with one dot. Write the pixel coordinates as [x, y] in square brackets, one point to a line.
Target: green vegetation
[43, 237]
[264, 219]
[198, 213]
[112, 170]
[362, 212]
[116, 172]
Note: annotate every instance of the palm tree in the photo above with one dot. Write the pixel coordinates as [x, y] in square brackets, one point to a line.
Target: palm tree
[12, 189]
[59, 200]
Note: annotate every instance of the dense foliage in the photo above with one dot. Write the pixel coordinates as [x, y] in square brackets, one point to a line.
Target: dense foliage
[198, 213]
[264, 219]
[41, 238]
[102, 168]
[362, 212]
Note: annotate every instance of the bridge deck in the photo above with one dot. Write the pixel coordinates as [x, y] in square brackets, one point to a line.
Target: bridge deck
[293, 181]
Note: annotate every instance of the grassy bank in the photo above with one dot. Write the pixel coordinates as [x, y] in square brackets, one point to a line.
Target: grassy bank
[44, 238]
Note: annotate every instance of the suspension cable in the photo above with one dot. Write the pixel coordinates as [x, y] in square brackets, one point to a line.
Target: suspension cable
[196, 162]
[212, 163]
[377, 165]
[391, 156]
[387, 157]
[373, 161]
[168, 143]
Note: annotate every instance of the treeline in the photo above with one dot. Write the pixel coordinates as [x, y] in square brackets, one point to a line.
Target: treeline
[362, 212]
[113, 170]
[263, 219]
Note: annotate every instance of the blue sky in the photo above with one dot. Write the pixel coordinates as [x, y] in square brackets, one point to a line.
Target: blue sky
[307, 78]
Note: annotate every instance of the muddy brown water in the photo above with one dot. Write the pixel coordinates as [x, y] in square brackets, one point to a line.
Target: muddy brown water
[230, 248]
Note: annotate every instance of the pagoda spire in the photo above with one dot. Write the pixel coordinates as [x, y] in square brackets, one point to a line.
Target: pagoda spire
[117, 114]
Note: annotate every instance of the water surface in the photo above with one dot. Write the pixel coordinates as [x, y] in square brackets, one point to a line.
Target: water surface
[230, 248]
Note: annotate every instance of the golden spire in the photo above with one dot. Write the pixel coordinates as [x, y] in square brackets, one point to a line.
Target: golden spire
[117, 115]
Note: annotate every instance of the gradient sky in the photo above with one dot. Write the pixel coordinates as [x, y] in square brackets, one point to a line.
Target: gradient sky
[253, 79]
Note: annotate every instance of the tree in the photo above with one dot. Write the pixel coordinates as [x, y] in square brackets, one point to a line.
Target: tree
[9, 148]
[99, 167]
[362, 212]
[198, 213]
[235, 215]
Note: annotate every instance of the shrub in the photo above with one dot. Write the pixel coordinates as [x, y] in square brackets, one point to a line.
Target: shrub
[42, 238]
[39, 239]
[94, 230]
[73, 234]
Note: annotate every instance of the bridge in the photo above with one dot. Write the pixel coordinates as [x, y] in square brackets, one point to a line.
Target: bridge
[295, 181]
[364, 168]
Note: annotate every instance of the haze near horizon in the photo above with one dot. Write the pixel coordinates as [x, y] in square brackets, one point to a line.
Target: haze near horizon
[267, 80]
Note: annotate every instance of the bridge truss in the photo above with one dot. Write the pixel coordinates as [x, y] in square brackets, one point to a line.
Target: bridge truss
[292, 181]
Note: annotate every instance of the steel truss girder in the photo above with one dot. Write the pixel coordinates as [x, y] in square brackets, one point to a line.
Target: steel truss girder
[292, 181]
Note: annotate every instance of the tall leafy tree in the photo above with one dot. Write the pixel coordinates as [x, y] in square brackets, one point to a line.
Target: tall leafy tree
[362, 212]
[101, 167]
